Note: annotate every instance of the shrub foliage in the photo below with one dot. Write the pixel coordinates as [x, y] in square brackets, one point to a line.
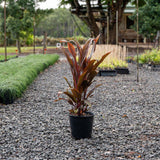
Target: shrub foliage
[17, 74]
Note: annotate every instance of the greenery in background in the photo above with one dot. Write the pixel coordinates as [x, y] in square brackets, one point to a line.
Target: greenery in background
[17, 74]
[150, 57]
[51, 41]
[56, 22]
[2, 57]
[20, 17]
[114, 63]
[149, 19]
[14, 49]
[61, 24]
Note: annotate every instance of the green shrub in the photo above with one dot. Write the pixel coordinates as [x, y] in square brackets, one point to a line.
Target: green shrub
[54, 41]
[17, 74]
[149, 57]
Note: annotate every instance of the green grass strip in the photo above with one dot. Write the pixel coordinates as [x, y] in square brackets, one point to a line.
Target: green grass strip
[17, 74]
[2, 57]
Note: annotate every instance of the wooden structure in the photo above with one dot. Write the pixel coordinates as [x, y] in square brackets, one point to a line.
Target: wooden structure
[125, 33]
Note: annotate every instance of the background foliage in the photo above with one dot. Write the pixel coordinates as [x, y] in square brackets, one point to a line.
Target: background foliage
[149, 18]
[62, 24]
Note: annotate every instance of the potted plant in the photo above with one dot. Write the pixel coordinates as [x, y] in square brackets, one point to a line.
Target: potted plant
[121, 66]
[107, 69]
[84, 70]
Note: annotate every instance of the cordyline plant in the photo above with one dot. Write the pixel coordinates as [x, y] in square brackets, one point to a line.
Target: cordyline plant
[83, 70]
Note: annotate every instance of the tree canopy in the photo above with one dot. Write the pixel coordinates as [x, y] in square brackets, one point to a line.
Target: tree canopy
[61, 23]
[149, 18]
[20, 17]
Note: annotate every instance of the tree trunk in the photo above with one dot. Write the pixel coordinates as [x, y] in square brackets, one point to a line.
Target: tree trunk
[18, 45]
[44, 42]
[112, 34]
[91, 20]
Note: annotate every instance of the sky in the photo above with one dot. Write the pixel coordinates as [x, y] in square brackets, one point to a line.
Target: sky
[49, 4]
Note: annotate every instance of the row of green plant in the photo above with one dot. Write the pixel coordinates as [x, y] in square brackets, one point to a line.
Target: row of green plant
[114, 63]
[14, 49]
[54, 41]
[17, 74]
[149, 57]
[23, 49]
[2, 57]
[50, 41]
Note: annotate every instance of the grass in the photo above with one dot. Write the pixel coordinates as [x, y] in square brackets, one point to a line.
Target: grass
[2, 57]
[17, 74]
[23, 49]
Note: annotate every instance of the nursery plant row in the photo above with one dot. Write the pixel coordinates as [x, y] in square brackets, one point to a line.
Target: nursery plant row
[2, 57]
[17, 74]
[113, 67]
[151, 57]
[150, 60]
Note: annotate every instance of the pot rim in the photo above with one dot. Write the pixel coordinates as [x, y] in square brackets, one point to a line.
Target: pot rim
[89, 114]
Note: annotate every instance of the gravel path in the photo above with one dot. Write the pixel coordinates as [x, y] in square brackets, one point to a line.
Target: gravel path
[126, 123]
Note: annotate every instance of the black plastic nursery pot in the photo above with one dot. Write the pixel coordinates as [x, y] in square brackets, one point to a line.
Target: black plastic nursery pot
[155, 67]
[81, 126]
[107, 72]
[122, 70]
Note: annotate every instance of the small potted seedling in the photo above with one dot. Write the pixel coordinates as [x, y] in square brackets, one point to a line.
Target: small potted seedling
[121, 66]
[107, 69]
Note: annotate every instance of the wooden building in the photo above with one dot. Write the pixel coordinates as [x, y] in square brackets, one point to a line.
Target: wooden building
[125, 33]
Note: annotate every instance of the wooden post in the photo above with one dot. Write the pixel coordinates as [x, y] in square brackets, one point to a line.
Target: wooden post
[44, 42]
[5, 45]
[137, 46]
[34, 30]
[107, 29]
[116, 27]
[158, 42]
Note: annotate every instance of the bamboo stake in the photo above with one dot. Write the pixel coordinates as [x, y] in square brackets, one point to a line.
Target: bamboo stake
[137, 46]
[34, 30]
[5, 45]
[117, 27]
[107, 29]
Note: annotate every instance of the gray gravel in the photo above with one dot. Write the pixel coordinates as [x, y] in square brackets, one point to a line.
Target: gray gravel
[126, 123]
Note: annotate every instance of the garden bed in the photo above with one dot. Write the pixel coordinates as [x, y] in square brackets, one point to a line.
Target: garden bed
[17, 74]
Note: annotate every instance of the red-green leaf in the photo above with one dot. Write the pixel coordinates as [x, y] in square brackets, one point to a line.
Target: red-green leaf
[97, 38]
[81, 79]
[91, 91]
[68, 82]
[70, 61]
[70, 95]
[85, 49]
[72, 50]
[91, 75]
[76, 93]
